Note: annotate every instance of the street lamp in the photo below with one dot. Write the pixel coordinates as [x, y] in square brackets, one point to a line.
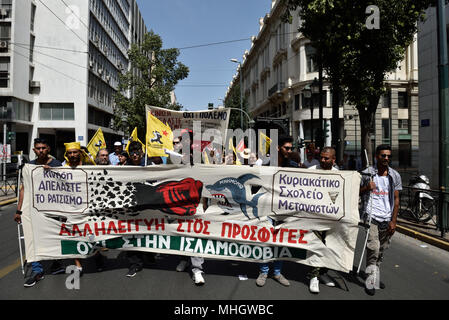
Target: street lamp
[315, 86]
[307, 92]
[241, 89]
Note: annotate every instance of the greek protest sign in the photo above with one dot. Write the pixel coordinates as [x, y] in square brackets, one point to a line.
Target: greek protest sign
[222, 212]
[216, 119]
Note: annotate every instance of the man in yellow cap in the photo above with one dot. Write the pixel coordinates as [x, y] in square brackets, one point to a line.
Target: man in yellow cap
[75, 156]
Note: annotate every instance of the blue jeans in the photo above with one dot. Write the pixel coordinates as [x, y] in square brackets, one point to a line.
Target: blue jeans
[277, 266]
[36, 267]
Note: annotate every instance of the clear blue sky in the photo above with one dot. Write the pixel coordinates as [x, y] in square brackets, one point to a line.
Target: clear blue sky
[186, 23]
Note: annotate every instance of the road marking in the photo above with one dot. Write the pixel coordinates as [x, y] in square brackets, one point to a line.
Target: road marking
[10, 268]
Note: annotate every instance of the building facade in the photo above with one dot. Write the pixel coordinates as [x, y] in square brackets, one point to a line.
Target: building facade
[429, 96]
[280, 66]
[61, 62]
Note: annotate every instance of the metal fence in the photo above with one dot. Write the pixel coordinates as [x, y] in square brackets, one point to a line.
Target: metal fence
[431, 212]
[8, 184]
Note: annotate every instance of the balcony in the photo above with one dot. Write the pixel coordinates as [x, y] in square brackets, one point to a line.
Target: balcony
[278, 87]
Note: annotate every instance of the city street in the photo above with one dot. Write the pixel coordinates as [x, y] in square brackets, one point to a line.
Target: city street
[412, 270]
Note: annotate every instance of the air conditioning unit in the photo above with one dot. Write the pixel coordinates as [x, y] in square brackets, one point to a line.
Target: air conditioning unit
[97, 39]
[3, 44]
[3, 12]
[35, 84]
[91, 63]
[100, 71]
[108, 77]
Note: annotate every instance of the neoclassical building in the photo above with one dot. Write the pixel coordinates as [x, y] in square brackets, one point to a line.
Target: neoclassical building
[279, 68]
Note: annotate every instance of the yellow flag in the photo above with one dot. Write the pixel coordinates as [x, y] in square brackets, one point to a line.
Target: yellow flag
[231, 146]
[134, 137]
[205, 157]
[96, 143]
[159, 137]
[264, 143]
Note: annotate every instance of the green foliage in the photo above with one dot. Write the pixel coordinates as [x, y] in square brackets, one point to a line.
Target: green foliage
[233, 101]
[153, 76]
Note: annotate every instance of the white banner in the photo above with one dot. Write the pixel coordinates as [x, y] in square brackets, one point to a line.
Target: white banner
[216, 119]
[5, 155]
[253, 213]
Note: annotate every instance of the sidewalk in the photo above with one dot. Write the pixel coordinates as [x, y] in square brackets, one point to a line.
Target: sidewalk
[426, 232]
[9, 198]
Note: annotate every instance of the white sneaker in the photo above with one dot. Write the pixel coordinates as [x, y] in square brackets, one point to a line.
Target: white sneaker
[327, 280]
[314, 285]
[198, 278]
[182, 265]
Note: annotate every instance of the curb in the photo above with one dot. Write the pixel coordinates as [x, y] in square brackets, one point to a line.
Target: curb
[442, 244]
[8, 201]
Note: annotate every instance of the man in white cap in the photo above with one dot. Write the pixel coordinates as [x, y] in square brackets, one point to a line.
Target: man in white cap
[113, 157]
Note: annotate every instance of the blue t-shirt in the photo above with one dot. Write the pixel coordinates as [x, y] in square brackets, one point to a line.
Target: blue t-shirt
[53, 163]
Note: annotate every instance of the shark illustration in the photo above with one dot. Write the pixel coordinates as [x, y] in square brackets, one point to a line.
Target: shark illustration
[235, 189]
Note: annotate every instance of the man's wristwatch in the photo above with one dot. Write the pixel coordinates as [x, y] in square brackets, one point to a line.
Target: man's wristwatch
[19, 212]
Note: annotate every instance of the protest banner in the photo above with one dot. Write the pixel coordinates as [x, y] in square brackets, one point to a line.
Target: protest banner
[216, 119]
[254, 213]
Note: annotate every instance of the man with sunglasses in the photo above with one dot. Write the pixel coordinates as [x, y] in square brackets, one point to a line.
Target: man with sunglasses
[285, 146]
[136, 258]
[379, 191]
[42, 151]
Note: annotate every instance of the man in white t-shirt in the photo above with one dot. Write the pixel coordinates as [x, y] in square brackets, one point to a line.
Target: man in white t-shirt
[379, 191]
[327, 162]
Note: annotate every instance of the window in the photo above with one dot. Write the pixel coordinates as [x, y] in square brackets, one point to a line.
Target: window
[402, 100]
[310, 59]
[386, 99]
[33, 14]
[56, 111]
[403, 126]
[386, 131]
[4, 72]
[297, 102]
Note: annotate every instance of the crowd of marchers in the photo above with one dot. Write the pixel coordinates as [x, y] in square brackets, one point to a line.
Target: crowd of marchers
[379, 194]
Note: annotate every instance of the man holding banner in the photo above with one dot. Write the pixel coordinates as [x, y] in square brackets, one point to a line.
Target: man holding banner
[285, 146]
[327, 162]
[379, 192]
[42, 151]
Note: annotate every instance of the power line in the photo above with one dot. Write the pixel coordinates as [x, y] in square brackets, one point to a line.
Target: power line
[47, 47]
[48, 55]
[42, 64]
[63, 22]
[229, 41]
[213, 44]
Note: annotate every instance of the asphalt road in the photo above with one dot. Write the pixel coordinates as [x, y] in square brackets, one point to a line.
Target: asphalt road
[411, 270]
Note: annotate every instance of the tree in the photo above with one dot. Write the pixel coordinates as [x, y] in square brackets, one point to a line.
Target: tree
[153, 76]
[356, 55]
[233, 101]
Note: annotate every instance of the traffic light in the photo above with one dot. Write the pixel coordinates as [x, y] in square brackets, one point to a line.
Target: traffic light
[11, 135]
[326, 129]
